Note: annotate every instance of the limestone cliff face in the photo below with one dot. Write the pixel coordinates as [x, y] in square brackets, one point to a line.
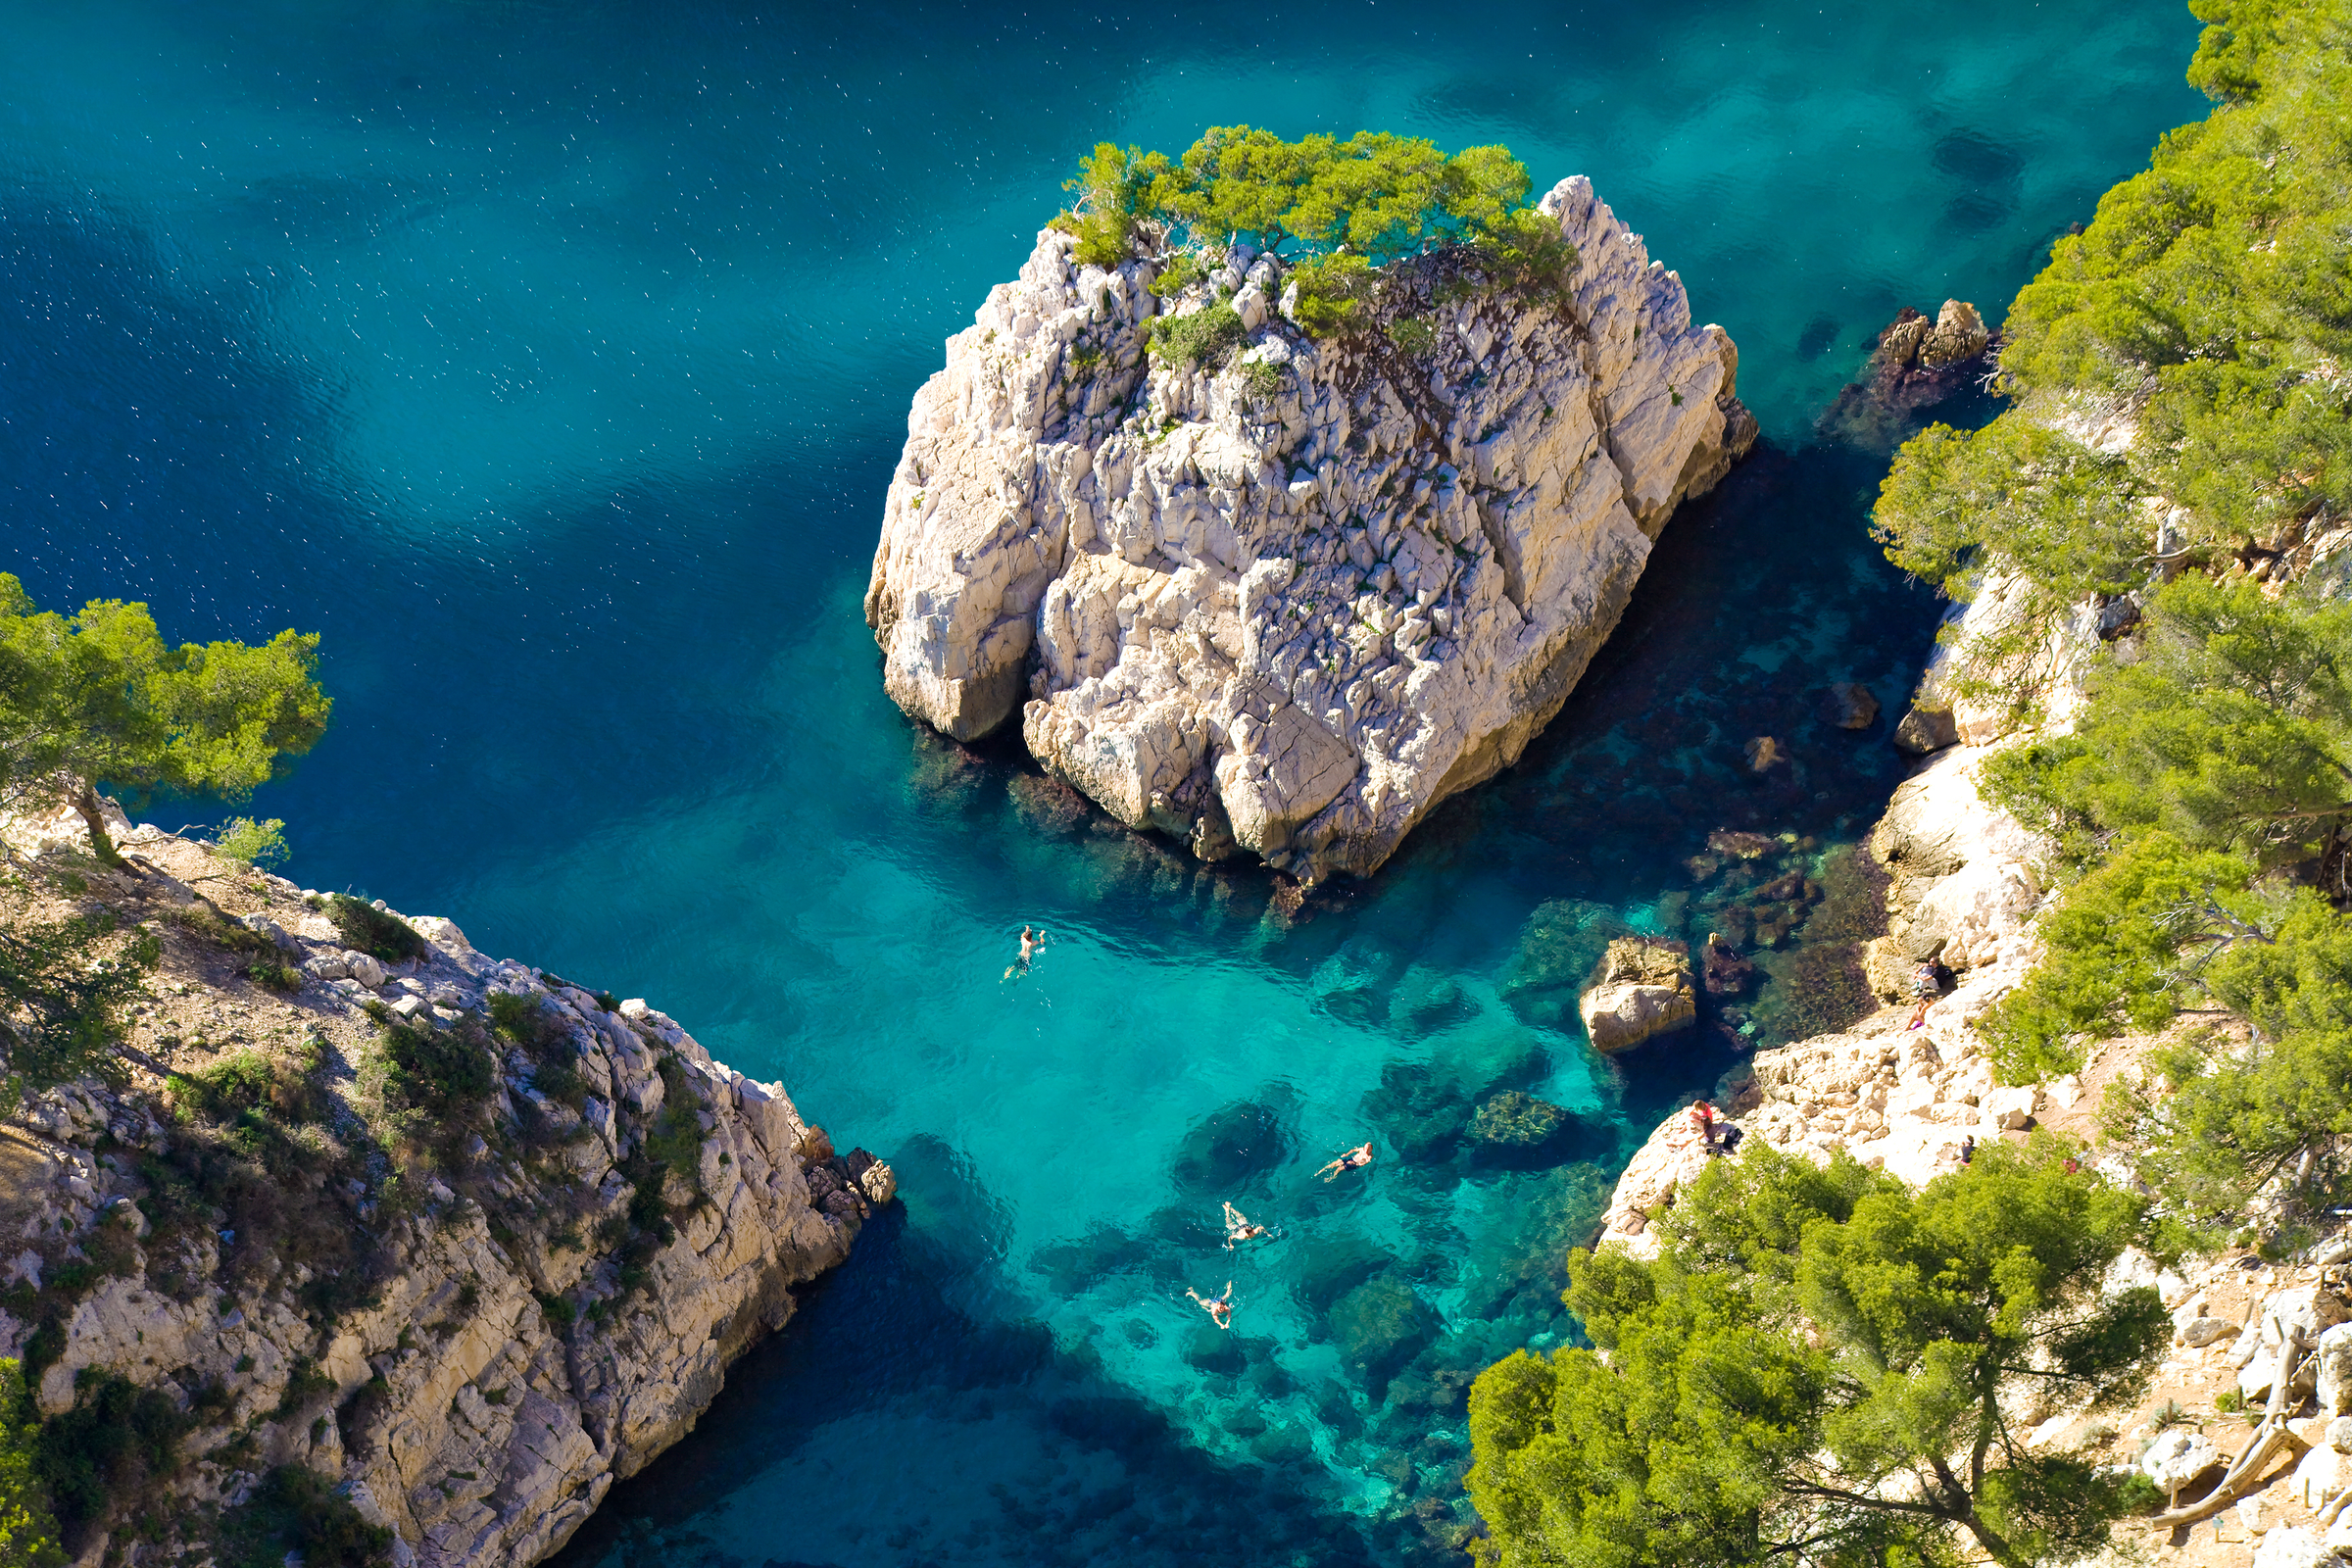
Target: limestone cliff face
[471, 1323]
[1295, 602]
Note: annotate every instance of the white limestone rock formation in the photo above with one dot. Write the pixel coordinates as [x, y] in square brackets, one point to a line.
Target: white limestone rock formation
[1292, 603]
[1643, 988]
[527, 1333]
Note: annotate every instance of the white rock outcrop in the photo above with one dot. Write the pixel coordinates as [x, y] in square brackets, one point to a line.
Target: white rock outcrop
[529, 1330]
[1295, 602]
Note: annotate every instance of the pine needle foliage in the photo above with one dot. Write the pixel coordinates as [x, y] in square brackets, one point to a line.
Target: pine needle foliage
[1813, 1372]
[1337, 209]
[2207, 303]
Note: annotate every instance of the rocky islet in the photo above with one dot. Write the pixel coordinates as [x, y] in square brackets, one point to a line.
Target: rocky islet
[1289, 600]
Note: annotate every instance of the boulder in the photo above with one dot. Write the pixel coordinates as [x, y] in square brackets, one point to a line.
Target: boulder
[1762, 754]
[1922, 731]
[364, 968]
[1918, 362]
[2291, 1546]
[2334, 1358]
[1739, 844]
[2319, 1476]
[877, 1181]
[1274, 598]
[1958, 335]
[1644, 989]
[2010, 1109]
[2178, 1457]
[1849, 705]
[2199, 1332]
[261, 925]
[441, 933]
[1379, 1326]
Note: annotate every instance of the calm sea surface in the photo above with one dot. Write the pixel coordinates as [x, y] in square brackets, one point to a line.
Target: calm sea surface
[550, 361]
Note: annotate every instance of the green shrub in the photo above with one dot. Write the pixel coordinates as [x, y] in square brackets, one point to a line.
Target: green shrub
[372, 931]
[298, 1510]
[104, 1452]
[62, 985]
[1526, 252]
[27, 1528]
[1177, 274]
[1207, 337]
[246, 842]
[1262, 379]
[444, 1072]
[675, 1139]
[304, 1382]
[1111, 183]
[1413, 335]
[274, 975]
[540, 1033]
[1330, 290]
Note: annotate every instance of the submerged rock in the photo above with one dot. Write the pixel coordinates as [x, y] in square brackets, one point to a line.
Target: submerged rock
[1379, 1326]
[1722, 970]
[1291, 597]
[1644, 989]
[1517, 1119]
[1851, 704]
[1563, 939]
[1230, 1146]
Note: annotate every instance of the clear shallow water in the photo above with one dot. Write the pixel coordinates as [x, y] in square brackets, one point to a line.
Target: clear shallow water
[550, 361]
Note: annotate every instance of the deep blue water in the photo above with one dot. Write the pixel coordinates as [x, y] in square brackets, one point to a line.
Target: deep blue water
[550, 361]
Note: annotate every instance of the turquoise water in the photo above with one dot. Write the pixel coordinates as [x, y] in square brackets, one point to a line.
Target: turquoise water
[550, 362]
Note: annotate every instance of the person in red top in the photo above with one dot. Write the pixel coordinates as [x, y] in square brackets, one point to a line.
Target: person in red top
[1702, 1116]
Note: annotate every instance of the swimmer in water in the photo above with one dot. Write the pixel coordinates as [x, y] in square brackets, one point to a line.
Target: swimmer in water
[1355, 1158]
[1031, 941]
[1237, 1228]
[1219, 1308]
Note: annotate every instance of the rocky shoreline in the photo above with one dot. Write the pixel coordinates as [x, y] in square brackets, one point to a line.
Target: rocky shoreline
[469, 1326]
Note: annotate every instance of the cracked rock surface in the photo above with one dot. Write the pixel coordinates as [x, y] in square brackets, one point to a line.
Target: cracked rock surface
[469, 1325]
[1291, 603]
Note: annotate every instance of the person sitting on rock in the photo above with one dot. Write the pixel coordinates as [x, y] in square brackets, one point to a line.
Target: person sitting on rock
[1355, 1158]
[1219, 1308]
[1926, 986]
[1237, 1228]
[1702, 1116]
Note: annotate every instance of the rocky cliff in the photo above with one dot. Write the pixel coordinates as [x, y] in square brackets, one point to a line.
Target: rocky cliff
[439, 1240]
[1282, 593]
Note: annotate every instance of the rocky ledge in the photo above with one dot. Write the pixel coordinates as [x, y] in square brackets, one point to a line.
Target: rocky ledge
[441, 1236]
[1290, 595]
[1964, 886]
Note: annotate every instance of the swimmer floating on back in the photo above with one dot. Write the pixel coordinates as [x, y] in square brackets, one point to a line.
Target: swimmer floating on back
[1219, 1308]
[1237, 1228]
[1031, 941]
[1354, 1160]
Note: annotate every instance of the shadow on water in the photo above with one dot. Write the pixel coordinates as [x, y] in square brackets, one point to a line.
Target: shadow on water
[880, 1339]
